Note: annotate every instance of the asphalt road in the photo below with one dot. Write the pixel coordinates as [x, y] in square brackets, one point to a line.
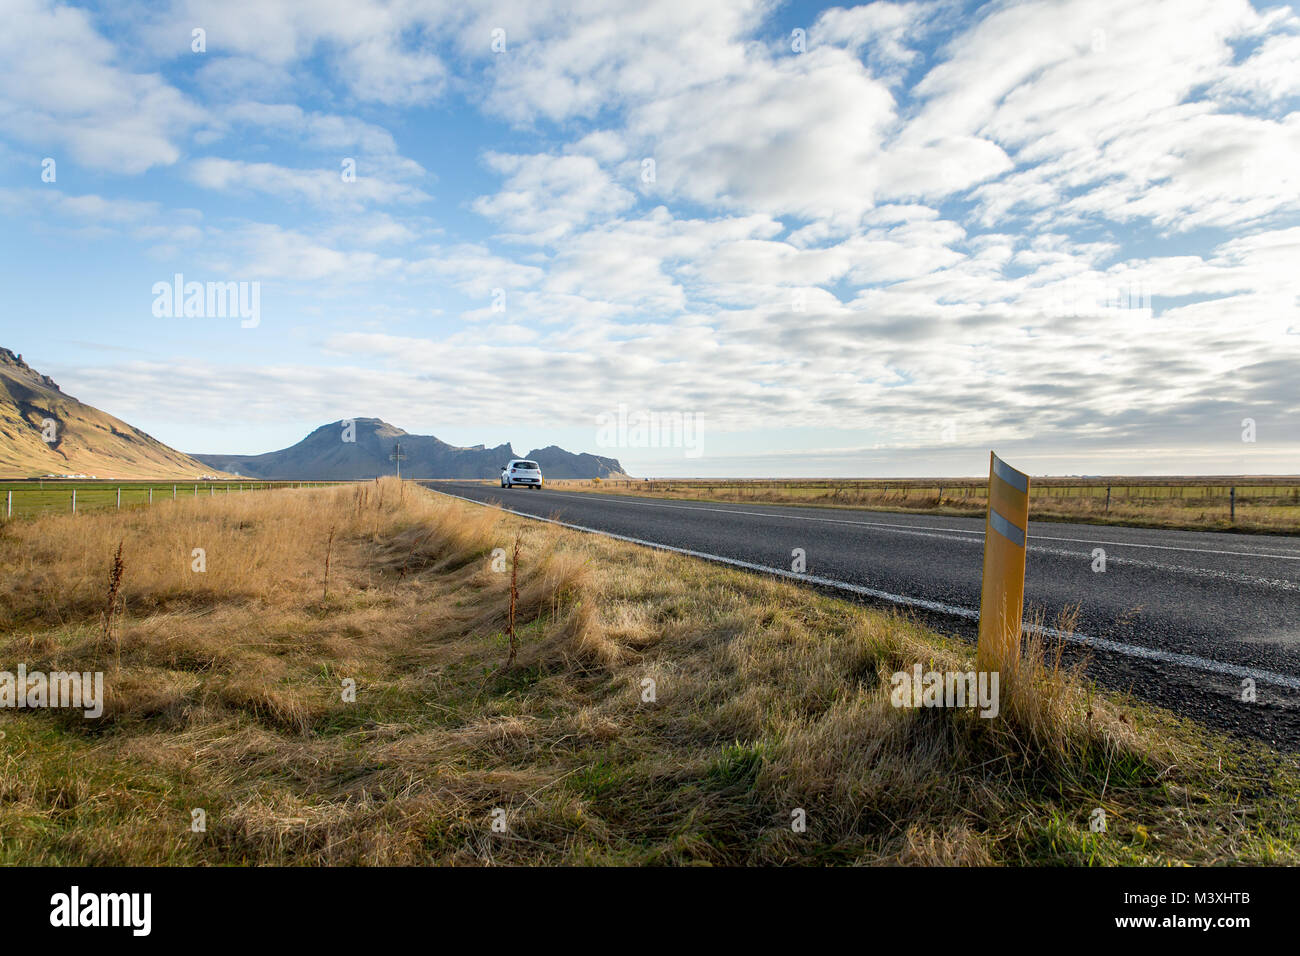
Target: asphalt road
[1180, 618]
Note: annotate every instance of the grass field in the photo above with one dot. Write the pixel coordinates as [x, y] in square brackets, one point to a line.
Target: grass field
[226, 694]
[1248, 504]
[25, 499]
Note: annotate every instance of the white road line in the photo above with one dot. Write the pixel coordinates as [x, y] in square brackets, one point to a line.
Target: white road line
[914, 529]
[976, 538]
[1170, 547]
[1132, 650]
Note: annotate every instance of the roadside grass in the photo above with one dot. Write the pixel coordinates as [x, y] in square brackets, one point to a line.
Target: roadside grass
[1256, 513]
[661, 710]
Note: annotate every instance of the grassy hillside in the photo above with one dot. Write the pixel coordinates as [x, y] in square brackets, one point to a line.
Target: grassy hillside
[85, 440]
[225, 693]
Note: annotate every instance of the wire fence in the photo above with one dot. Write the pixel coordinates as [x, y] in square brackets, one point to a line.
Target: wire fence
[26, 499]
[1225, 494]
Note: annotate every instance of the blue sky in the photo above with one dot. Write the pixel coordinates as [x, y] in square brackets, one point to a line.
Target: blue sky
[874, 240]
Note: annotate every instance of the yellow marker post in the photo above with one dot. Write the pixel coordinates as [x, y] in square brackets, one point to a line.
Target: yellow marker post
[1002, 598]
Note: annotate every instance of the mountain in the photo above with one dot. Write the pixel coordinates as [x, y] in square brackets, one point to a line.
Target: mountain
[327, 454]
[84, 439]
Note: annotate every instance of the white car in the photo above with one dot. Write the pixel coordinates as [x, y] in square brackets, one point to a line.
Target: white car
[519, 471]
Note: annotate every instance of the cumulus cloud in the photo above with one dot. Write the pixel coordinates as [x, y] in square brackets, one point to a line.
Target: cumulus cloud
[378, 51]
[1106, 122]
[887, 32]
[62, 87]
[1059, 224]
[546, 197]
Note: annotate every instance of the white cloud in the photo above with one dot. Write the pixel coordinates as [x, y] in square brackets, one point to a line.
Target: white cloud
[379, 51]
[1098, 104]
[267, 251]
[317, 130]
[93, 216]
[546, 197]
[61, 88]
[1269, 73]
[569, 60]
[888, 32]
[319, 186]
[476, 271]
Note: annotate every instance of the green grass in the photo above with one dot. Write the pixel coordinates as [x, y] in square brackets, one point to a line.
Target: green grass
[49, 496]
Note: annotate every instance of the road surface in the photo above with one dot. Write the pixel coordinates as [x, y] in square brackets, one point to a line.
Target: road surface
[1181, 618]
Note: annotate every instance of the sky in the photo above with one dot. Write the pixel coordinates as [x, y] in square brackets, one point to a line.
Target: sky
[769, 239]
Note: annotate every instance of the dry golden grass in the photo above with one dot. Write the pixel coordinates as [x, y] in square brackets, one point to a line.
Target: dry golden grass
[768, 699]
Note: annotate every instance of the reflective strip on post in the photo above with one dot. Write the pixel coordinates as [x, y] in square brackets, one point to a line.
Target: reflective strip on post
[1002, 595]
[1005, 528]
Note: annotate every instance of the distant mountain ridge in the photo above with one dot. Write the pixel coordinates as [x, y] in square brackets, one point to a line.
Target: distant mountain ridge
[45, 431]
[326, 455]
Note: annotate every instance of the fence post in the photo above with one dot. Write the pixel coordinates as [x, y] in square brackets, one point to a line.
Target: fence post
[74, 501]
[1232, 503]
[119, 499]
[1108, 499]
[9, 504]
[173, 492]
[151, 494]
